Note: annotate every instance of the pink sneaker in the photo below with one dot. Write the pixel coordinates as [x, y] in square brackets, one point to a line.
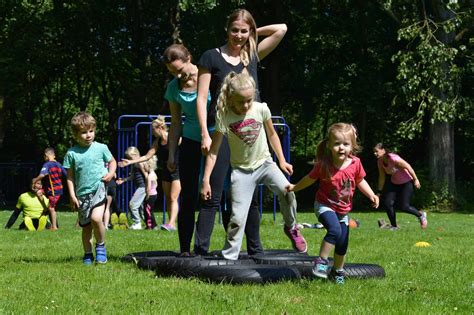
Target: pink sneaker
[298, 241]
[423, 220]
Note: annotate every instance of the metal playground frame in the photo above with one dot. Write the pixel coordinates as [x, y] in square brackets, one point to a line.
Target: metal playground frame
[134, 129]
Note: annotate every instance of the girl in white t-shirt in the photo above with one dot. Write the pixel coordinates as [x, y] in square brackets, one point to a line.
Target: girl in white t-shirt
[247, 125]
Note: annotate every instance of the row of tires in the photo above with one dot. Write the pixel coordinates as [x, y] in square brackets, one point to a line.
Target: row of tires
[273, 266]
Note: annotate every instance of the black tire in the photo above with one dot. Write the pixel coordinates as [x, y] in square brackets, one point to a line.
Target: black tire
[240, 274]
[364, 271]
[135, 257]
[304, 264]
[268, 252]
[191, 266]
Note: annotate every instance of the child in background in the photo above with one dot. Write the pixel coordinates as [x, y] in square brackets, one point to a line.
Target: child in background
[86, 175]
[51, 175]
[339, 172]
[34, 206]
[114, 218]
[138, 175]
[247, 125]
[169, 179]
[151, 193]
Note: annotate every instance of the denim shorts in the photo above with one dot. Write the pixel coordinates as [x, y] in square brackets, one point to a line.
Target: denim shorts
[319, 209]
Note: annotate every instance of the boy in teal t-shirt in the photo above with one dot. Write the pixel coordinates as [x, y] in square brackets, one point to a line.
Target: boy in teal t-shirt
[86, 178]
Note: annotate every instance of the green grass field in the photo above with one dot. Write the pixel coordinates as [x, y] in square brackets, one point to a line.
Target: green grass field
[42, 272]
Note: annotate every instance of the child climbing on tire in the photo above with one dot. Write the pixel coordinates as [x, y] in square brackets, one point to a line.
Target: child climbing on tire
[339, 172]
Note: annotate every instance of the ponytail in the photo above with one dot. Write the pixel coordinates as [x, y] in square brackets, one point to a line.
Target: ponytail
[233, 82]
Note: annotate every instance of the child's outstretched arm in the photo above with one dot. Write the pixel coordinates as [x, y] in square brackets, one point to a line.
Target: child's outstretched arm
[302, 184]
[276, 146]
[366, 190]
[210, 163]
[142, 158]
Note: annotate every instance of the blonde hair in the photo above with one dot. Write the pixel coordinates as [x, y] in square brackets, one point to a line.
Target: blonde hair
[82, 120]
[233, 82]
[151, 164]
[159, 121]
[249, 50]
[323, 153]
[132, 152]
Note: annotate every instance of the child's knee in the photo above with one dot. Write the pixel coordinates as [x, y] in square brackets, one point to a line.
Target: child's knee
[334, 233]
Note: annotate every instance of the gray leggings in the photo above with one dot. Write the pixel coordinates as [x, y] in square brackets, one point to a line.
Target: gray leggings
[243, 184]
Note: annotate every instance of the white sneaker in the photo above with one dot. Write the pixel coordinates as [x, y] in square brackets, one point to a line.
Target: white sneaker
[136, 226]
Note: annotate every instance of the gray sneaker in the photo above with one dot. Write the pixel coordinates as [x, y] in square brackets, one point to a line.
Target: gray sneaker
[320, 268]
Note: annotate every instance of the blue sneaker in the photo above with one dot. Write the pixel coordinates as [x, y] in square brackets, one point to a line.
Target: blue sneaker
[100, 254]
[320, 268]
[338, 276]
[88, 259]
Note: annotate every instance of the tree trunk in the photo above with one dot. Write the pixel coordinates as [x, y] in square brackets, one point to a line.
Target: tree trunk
[441, 134]
[441, 155]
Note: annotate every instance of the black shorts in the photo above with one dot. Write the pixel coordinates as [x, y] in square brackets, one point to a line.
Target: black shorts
[167, 176]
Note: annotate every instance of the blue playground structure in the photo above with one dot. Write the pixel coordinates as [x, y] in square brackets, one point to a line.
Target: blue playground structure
[135, 130]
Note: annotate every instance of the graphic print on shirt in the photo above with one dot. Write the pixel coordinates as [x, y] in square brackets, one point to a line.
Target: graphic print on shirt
[343, 197]
[247, 130]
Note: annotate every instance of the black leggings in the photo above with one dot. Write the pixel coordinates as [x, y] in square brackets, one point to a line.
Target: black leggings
[400, 196]
[207, 214]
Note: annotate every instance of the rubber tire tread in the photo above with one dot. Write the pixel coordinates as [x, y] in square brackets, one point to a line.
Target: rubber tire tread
[135, 257]
[305, 265]
[241, 274]
[192, 266]
[363, 271]
[267, 252]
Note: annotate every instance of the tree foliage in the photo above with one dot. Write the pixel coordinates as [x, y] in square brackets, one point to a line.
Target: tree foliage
[392, 67]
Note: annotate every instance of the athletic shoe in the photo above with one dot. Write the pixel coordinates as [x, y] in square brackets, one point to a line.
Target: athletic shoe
[320, 268]
[382, 224]
[114, 221]
[167, 227]
[88, 259]
[337, 276]
[298, 241]
[423, 220]
[136, 226]
[100, 254]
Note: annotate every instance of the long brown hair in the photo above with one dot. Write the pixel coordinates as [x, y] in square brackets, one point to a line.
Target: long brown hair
[176, 52]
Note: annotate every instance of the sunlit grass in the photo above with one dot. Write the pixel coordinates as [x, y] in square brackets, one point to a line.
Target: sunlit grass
[42, 272]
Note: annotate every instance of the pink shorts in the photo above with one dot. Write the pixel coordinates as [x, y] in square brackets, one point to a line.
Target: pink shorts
[53, 201]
